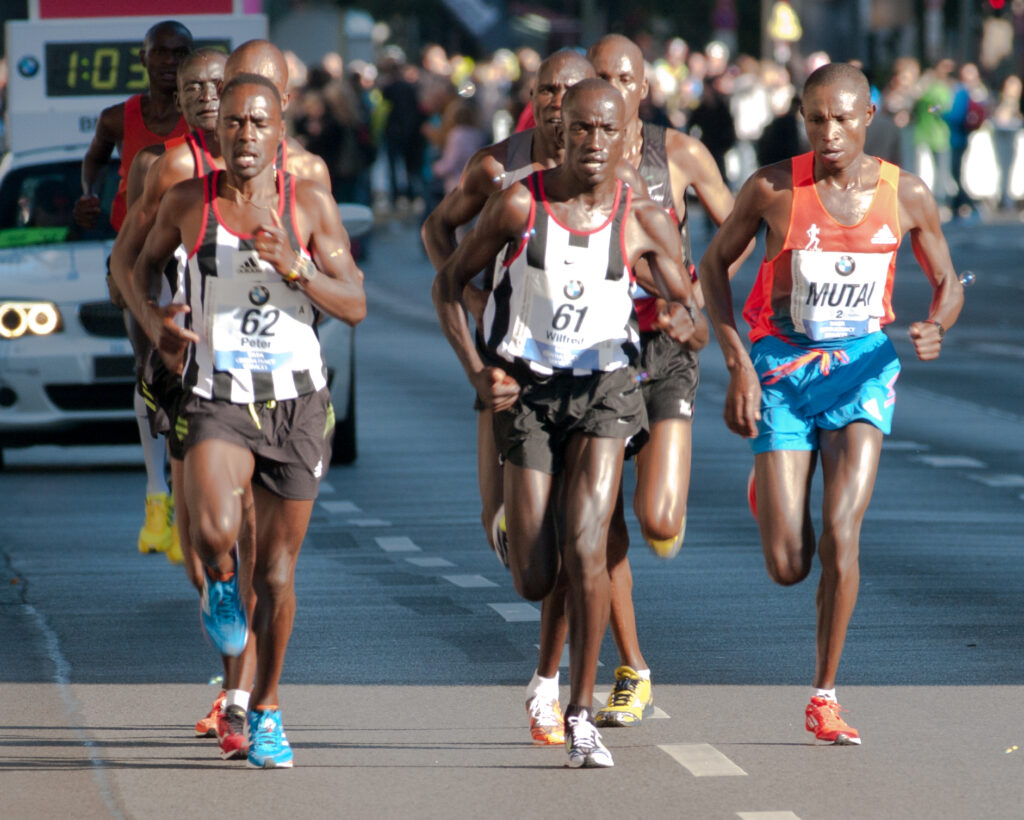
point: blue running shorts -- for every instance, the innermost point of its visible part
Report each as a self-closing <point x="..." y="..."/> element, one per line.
<point x="807" y="389"/>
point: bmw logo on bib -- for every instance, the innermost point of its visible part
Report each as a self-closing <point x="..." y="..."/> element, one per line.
<point x="845" y="265"/>
<point x="573" y="289"/>
<point x="259" y="295"/>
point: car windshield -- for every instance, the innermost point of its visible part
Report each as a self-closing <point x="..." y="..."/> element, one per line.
<point x="37" y="203"/>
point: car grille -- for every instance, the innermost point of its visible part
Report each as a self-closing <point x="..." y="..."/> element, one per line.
<point x="102" y="319"/>
<point x="85" y="397"/>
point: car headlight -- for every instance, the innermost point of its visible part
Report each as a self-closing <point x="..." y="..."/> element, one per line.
<point x="37" y="318"/>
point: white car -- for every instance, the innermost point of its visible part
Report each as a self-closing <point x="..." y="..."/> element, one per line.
<point x="67" y="370"/>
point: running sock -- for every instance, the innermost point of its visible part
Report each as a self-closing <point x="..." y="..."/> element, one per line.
<point x="214" y="575"/>
<point x="154" y="451"/>
<point x="645" y="674"/>
<point x="544" y="687"/>
<point x="828" y="694"/>
<point x="237" y="697"/>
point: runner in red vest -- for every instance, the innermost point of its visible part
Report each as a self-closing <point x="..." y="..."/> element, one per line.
<point x="138" y="122"/>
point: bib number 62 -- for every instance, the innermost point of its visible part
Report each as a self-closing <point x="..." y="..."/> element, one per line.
<point x="256" y="322"/>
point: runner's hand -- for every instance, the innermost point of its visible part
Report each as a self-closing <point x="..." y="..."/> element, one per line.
<point x="926" y="339"/>
<point x="86" y="210"/>
<point x="676" y="320"/>
<point x="496" y="388"/>
<point x="273" y="246"/>
<point x="743" y="402"/>
<point x="168" y="337"/>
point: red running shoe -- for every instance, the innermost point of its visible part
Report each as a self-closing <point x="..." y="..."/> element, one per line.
<point x="824" y="721"/>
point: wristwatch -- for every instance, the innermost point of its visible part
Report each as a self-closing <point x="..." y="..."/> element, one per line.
<point x="938" y="324"/>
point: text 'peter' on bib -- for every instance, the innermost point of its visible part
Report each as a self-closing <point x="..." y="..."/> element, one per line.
<point x="254" y="320"/>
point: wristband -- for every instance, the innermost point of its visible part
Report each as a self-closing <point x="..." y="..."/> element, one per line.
<point x="938" y="324"/>
<point x="304" y="269"/>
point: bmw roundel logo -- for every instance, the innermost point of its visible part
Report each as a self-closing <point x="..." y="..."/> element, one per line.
<point x="845" y="265"/>
<point x="259" y="295"/>
<point x="573" y="289"/>
<point x="28" y="66"/>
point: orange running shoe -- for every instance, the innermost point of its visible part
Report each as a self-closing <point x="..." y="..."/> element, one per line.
<point x="823" y="719"/>
<point x="547" y="724"/>
<point x="207" y="726"/>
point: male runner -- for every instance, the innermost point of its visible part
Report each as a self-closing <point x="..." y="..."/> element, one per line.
<point x="562" y="383"/>
<point x="140" y="121"/>
<point x="670" y="162"/>
<point x="489" y="170"/>
<point x="193" y="155"/>
<point x="819" y="378"/>
<point x="267" y="254"/>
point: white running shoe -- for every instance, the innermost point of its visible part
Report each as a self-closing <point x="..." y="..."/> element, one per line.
<point x="583" y="743"/>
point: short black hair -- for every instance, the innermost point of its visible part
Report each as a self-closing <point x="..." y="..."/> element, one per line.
<point x="251" y="79"/>
<point x="839" y="72"/>
<point x="171" y="25"/>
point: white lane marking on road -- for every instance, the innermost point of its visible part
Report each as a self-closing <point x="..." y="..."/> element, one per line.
<point x="469" y="581"/>
<point x="62" y="677"/>
<point x="430" y="561"/>
<point x="369" y="522"/>
<point x="949" y="461"/>
<point x="766" y="815"/>
<point x="999" y="479"/>
<point x="564" y="660"/>
<point x="702" y="760"/>
<point x="658" y="713"/>
<point x="398" y="543"/>
<point x="340" y="507"/>
<point x="326" y="487"/>
<point x="517" y="613"/>
<point x="890" y="444"/>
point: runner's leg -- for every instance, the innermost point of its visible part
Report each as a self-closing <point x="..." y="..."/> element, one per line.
<point x="783" y="484"/>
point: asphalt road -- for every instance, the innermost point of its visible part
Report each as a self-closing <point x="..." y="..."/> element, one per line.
<point x="403" y="688"/>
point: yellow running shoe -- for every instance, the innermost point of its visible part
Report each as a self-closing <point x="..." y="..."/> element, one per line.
<point x="629" y="702"/>
<point x="174" y="553"/>
<point x="207" y="726"/>
<point x="547" y="724"/>
<point x="155" y="535"/>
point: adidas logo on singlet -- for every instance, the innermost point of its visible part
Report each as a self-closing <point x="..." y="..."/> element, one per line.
<point x="884" y="236"/>
<point x="251" y="264"/>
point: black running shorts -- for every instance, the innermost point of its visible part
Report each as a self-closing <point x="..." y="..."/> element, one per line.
<point x="290" y="439"/>
<point x="163" y="393"/>
<point x="533" y="434"/>
<point x="669" y="374"/>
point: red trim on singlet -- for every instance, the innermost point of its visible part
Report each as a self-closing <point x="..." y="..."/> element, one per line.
<point x="295" y="216"/>
<point x="220" y="219"/>
<point x="557" y="221"/>
<point x="206" y="215"/>
<point x="135" y="137"/>
<point x="529" y="223"/>
<point x="622" y="234"/>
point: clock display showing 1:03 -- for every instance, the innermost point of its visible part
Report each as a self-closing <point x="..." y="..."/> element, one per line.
<point x="100" y="67"/>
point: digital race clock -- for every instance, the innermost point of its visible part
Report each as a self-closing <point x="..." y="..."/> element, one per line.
<point x="94" y="67"/>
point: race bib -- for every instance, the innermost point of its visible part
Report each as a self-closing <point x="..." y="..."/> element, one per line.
<point x="257" y="325"/>
<point x="565" y="321"/>
<point x="838" y="295"/>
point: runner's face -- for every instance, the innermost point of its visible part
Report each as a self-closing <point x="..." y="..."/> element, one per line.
<point x="166" y="50"/>
<point x="836" y="117"/>
<point x="553" y="81"/>
<point x="593" y="137"/>
<point x="199" y="93"/>
<point x="625" y="73"/>
<point x="249" y="130"/>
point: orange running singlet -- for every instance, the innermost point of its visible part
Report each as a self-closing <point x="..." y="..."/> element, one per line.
<point x="830" y="281"/>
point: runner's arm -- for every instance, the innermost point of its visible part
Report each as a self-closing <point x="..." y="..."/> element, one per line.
<point x="504" y="217"/>
<point x="919" y="214"/>
<point x="743" y="400"/>
<point x="332" y="279"/>
<point x="481" y="178"/>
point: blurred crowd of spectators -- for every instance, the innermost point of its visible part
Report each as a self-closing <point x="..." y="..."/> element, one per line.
<point x="396" y="133"/>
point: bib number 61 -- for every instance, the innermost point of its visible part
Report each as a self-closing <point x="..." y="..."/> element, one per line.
<point x="564" y="315"/>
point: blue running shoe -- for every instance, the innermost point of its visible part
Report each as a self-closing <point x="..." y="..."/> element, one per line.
<point x="222" y="614"/>
<point x="268" y="744"/>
